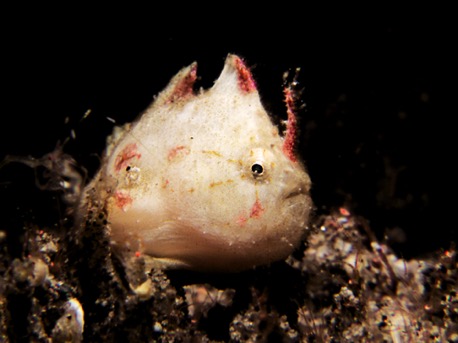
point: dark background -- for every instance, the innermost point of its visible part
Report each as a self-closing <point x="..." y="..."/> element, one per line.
<point x="377" y="134"/>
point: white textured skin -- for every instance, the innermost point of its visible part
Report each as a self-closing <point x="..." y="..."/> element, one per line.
<point x="193" y="201"/>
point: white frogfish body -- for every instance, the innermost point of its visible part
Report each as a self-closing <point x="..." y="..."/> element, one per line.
<point x="205" y="181"/>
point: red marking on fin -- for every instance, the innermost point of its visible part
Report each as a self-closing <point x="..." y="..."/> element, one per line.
<point x="257" y="210"/>
<point x="291" y="125"/>
<point x="122" y="199"/>
<point x="246" y="81"/>
<point x="128" y="153"/>
<point x="184" y="87"/>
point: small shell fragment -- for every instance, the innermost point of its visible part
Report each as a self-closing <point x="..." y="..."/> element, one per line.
<point x="70" y="326"/>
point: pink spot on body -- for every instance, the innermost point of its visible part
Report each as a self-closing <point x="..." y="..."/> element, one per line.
<point x="180" y="150"/>
<point x="124" y="157"/>
<point x="122" y="199"/>
<point x="241" y="220"/>
<point x="257" y="210"/>
<point x="246" y="81"/>
<point x="291" y="126"/>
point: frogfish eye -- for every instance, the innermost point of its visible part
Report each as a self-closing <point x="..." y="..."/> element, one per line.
<point x="257" y="169"/>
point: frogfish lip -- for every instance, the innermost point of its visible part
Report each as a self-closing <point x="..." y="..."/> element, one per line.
<point x="300" y="189"/>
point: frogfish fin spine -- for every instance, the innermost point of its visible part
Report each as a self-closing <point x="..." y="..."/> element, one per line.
<point x="290" y="134"/>
<point x="236" y="77"/>
<point x="180" y="87"/>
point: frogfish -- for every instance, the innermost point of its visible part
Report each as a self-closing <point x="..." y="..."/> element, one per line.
<point x="204" y="180"/>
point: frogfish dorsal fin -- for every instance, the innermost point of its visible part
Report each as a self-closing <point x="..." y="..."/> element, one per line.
<point x="180" y="87"/>
<point x="236" y="77"/>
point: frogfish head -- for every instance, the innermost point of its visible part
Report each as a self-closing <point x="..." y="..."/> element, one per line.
<point x="204" y="180"/>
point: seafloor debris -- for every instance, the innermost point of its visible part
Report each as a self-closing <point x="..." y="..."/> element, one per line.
<point x="343" y="286"/>
<point x="377" y="296"/>
<point x="55" y="171"/>
<point x="202" y="298"/>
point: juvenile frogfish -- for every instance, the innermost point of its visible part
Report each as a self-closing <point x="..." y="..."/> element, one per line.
<point x="204" y="181"/>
